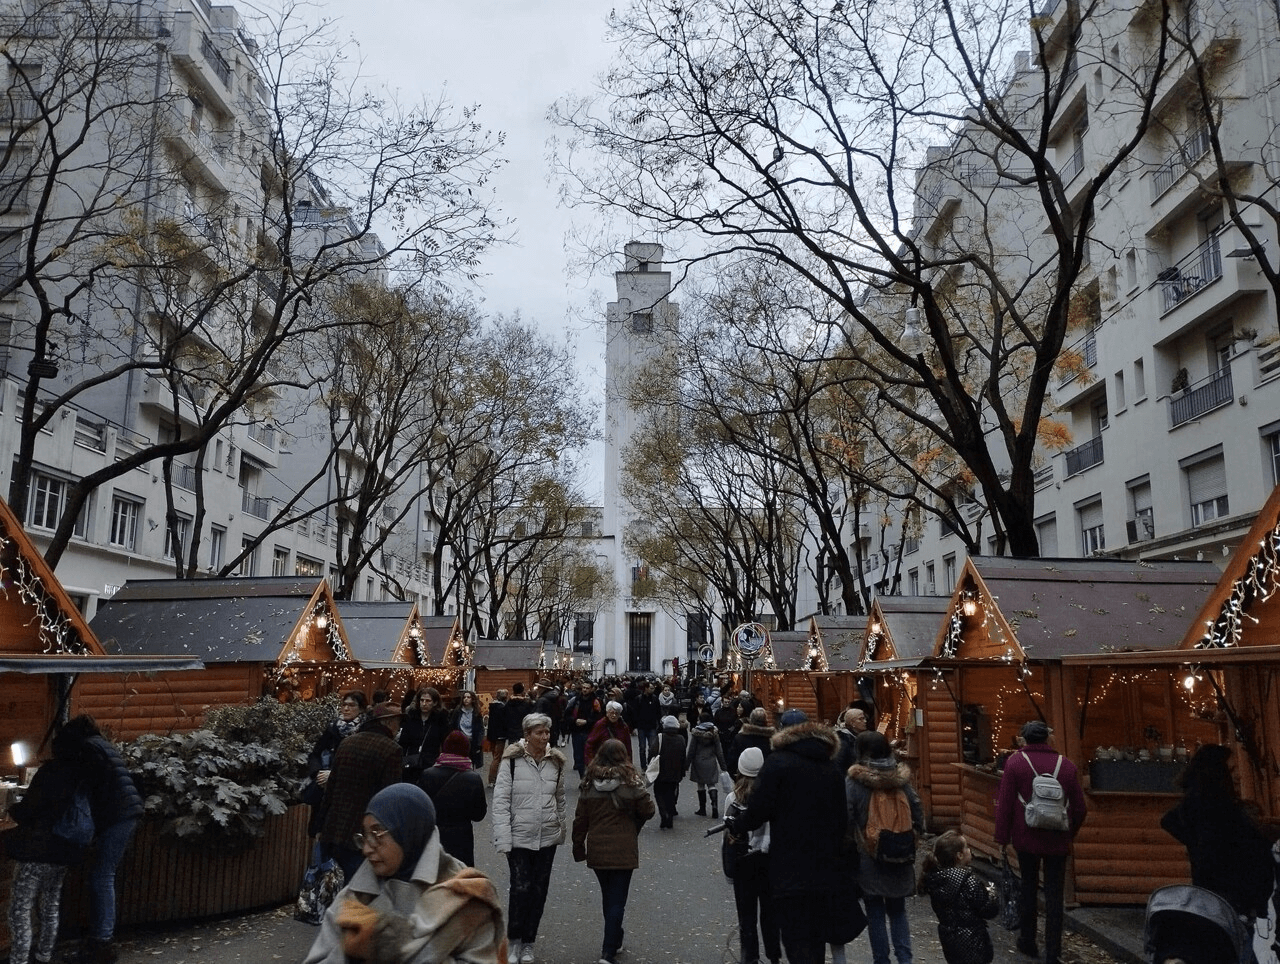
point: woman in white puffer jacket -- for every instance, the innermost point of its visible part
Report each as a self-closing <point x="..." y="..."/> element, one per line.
<point x="529" y="822"/>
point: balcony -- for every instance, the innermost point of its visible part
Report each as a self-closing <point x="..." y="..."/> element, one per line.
<point x="1043" y="477"/>
<point x="1074" y="165"/>
<point x="1084" y="456"/>
<point x="255" y="506"/>
<point x="263" y="433"/>
<point x="217" y="63"/>
<point x="1200" y="268"/>
<point x="1204" y="396"/>
<point x="1179" y="162"/>
<point x="184" y="476"/>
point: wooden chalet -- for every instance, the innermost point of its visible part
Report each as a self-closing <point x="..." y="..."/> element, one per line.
<point x="395" y="644"/>
<point x="1048" y="639"/>
<point x="280" y="636"/>
<point x="45" y="647"/>
<point x="788" y="674"/>
<point x="501" y="663"/>
<point x="899" y="636"/>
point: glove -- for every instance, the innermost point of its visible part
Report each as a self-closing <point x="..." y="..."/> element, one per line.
<point x="357" y="923"/>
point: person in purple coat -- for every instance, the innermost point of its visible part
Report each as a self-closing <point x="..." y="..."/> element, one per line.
<point x="1034" y="846"/>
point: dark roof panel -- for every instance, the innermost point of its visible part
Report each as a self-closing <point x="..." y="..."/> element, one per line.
<point x="216" y="630"/>
<point x="507" y="653"/>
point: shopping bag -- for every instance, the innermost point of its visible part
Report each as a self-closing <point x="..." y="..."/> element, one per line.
<point x="652" y="770"/>
<point x="1010" y="897"/>
<point x="320" y="884"/>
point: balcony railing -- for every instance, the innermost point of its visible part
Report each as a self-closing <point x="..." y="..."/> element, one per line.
<point x="1184" y="279"/>
<point x="1204" y="396"/>
<point x="257" y="507"/>
<point x="1085" y="456"/>
<point x="215" y="60"/>
<point x="184" y="476"/>
<point x="1074" y="165"/>
<point x="909" y="545"/>
<point x="263" y="434"/>
<point x="1179" y="162"/>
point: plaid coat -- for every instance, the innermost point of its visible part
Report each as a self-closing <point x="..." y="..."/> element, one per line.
<point x="365" y="763"/>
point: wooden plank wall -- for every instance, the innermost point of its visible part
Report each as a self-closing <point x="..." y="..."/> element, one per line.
<point x="801" y="695"/>
<point x="490" y="680"/>
<point x="26" y="708"/>
<point x="127" y="705"/>
<point x="939" y="780"/>
<point x="1122" y="855"/>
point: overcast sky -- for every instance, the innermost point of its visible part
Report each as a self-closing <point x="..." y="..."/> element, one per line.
<point x="512" y="58"/>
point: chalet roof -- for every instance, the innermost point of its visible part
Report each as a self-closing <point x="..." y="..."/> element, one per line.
<point x="216" y="620"/>
<point x="376" y="628"/>
<point x="911" y="624"/>
<point x="790" y="650"/>
<point x="1054" y="608"/>
<point x="507" y="653"/>
<point x="841" y="638"/>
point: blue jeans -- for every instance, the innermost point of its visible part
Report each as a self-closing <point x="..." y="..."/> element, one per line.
<point x="644" y="736"/>
<point x="111" y="845"/>
<point x="614" y="887"/>
<point x="899" y="930"/>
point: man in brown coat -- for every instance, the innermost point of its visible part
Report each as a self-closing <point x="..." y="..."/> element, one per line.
<point x="366" y="761"/>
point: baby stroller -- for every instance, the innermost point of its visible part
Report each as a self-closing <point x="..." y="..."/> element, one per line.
<point x="1194" y="925"/>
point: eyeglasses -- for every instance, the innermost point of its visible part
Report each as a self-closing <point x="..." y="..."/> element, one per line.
<point x="350" y="703"/>
<point x="373" y="838"/>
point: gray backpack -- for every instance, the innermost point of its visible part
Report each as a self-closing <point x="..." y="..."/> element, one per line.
<point x="1047" y="808"/>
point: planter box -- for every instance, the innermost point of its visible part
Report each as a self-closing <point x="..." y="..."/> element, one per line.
<point x="161" y="880"/>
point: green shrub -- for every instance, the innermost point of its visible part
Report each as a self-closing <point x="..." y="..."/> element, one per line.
<point x="218" y="785"/>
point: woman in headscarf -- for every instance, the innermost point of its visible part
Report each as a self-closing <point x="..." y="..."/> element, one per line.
<point x="458" y="794"/>
<point x="612" y="807"/>
<point x="410" y="902"/>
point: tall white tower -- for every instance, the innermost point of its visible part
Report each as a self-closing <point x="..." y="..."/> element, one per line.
<point x="635" y="635"/>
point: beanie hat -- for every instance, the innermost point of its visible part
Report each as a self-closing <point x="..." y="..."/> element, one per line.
<point x="793" y="718"/>
<point x="750" y="762"/>
<point x="384" y="711"/>
<point x="1037" y="731"/>
<point x="457" y="744"/>
<point x="670" y="723"/>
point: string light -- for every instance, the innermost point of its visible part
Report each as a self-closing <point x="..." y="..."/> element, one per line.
<point x="54" y="628"/>
<point x="1258" y="584"/>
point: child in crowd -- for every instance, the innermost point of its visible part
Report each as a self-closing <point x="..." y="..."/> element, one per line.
<point x="751" y="881"/>
<point x="963" y="901"/>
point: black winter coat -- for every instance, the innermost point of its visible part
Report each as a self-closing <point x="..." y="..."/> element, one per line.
<point x="517" y="709"/>
<point x="460" y="801"/>
<point x="749" y="735"/>
<point x="497" y="730"/>
<point x="421" y="740"/>
<point x="800" y="793"/>
<point x="51" y="792"/>
<point x="963" y="902"/>
<point x="669" y="747"/>
<point x="114" y="796"/>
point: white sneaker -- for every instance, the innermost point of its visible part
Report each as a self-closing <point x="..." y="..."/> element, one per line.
<point x="526" y="954"/>
<point x="513" y="952"/>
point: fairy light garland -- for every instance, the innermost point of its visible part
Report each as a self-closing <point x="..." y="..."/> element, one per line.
<point x="55" y="631"/>
<point x="1258" y="584"/>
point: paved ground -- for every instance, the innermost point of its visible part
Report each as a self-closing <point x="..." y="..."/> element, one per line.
<point x="680" y="912"/>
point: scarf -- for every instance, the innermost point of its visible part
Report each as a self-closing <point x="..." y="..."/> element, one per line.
<point x="347" y="727"/>
<point x="453" y="760"/>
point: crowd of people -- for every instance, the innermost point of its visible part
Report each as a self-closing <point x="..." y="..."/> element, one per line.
<point x="823" y="828"/>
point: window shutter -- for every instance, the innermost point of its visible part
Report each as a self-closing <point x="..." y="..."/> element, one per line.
<point x="1091" y="515"/>
<point x="1207" y="480"/>
<point x="1047" y="533"/>
<point x="1141" y="498"/>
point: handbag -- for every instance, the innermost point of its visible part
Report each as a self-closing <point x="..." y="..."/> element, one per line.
<point x="652" y="770"/>
<point x="732" y="852"/>
<point x="1010" y="897"/>
<point x="76" y="823"/>
<point x="320" y="884"/>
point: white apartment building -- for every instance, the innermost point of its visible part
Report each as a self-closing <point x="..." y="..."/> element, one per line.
<point x="1174" y="411"/>
<point x="197" y="170"/>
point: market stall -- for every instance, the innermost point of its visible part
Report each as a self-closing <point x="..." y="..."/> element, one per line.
<point x="1039" y="639"/>
<point x="279" y="636"/>
<point x="501" y="663"/>
<point x="395" y="644"/>
<point x="787" y="674"/>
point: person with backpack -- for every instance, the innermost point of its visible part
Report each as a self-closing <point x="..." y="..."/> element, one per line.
<point x="45" y="843"/>
<point x="751" y="895"/>
<point x="885" y="817"/>
<point x="1039" y="809"/>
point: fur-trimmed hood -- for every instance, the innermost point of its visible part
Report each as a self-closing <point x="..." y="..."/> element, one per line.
<point x="705" y="732"/>
<point x="750" y="729"/>
<point x="885" y="774"/>
<point x="811" y="739"/>
<point x="519" y="750"/>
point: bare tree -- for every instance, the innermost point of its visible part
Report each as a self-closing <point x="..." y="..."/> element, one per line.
<point x="887" y="157"/>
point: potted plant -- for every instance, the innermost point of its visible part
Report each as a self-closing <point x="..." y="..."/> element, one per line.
<point x="1181" y="379"/>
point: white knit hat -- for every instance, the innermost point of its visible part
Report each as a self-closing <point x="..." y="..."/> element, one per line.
<point x="750" y="762"/>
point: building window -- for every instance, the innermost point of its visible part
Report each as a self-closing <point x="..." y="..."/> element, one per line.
<point x="1092" y="536"/>
<point x="639" y="640"/>
<point x="183" y="526"/>
<point x="15" y="175"/>
<point x="10" y="261"/>
<point x="280" y="561"/>
<point x="584" y="632"/>
<point x="913" y="582"/>
<point x="1139" y="380"/>
<point x="1047" y="536"/>
<point x="217" y="546"/>
<point x="1119" y="386"/>
<point x="642" y="322"/>
<point x="949" y="573"/>
<point x="1142" y="520"/>
<point x="695" y="632"/>
<point x="1207" y="489"/>
<point x="249" y="562"/>
<point x="124" y="522"/>
<point x="930" y="583"/>
<point x="1273" y="453"/>
<point x="302" y="566"/>
<point x="1098" y="417"/>
<point x="47" y="502"/>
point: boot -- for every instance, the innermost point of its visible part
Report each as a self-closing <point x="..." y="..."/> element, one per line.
<point x="702" y="802"/>
<point x="715" y="803"/>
